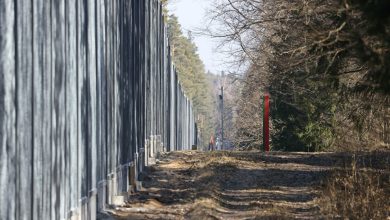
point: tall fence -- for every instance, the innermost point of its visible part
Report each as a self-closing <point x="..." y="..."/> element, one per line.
<point x="88" y="97"/>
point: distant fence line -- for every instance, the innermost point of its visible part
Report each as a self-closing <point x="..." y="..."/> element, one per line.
<point x="88" y="97"/>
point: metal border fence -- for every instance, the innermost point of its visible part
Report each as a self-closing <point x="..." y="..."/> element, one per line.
<point x="88" y="97"/>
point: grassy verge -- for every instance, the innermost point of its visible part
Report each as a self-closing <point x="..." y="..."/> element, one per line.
<point x="358" y="191"/>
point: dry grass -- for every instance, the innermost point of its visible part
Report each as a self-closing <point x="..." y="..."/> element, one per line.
<point x="357" y="193"/>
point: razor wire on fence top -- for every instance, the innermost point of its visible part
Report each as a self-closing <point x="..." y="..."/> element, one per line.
<point x="88" y="97"/>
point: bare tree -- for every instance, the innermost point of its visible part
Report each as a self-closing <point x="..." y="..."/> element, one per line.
<point x="317" y="58"/>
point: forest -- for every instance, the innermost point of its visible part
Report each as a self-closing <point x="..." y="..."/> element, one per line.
<point x="325" y="64"/>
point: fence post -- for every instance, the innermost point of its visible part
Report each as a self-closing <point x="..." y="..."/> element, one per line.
<point x="266" y="111"/>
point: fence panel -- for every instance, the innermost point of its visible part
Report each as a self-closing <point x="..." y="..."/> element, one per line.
<point x="88" y="97"/>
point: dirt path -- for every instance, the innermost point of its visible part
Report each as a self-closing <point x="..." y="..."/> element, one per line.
<point x="231" y="185"/>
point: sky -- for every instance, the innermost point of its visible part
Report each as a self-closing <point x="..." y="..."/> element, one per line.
<point x="192" y="15"/>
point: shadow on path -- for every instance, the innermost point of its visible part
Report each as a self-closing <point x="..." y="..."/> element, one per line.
<point x="236" y="185"/>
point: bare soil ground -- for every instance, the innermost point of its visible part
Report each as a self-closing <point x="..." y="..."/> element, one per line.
<point x="232" y="185"/>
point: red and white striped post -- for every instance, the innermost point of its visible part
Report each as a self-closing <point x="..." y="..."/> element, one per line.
<point x="266" y="111"/>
